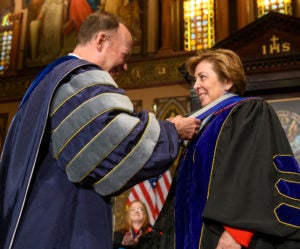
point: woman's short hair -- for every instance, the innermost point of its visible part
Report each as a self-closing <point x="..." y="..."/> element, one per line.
<point x="227" y="65"/>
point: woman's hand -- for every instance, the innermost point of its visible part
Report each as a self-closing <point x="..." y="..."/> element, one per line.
<point x="226" y="241"/>
<point x="128" y="240"/>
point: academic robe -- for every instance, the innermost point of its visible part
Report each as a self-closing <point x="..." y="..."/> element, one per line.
<point x="75" y="142"/>
<point x="239" y="172"/>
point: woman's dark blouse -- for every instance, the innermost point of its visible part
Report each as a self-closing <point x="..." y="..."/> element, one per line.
<point x="150" y="240"/>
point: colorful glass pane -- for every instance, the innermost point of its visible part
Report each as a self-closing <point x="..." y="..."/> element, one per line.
<point x="5" y="43"/>
<point x="199" y="26"/>
<point x="281" y="6"/>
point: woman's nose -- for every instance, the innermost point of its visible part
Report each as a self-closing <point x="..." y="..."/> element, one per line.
<point x="196" y="84"/>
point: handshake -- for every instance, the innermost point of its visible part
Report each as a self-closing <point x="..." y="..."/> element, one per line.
<point x="187" y="127"/>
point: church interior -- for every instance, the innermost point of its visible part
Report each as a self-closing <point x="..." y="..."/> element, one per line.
<point x="264" y="33"/>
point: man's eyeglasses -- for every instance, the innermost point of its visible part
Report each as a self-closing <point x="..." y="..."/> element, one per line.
<point x="139" y="210"/>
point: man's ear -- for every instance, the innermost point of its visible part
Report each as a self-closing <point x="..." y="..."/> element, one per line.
<point x="101" y="37"/>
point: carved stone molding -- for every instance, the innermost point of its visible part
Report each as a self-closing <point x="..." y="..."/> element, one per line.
<point x="142" y="72"/>
<point x="13" y="89"/>
<point x="270" y="51"/>
<point x="155" y="71"/>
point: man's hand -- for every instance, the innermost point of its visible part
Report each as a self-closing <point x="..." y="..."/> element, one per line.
<point x="187" y="128"/>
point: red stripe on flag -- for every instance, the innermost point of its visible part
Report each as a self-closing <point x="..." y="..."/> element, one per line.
<point x="153" y="197"/>
<point x="146" y="193"/>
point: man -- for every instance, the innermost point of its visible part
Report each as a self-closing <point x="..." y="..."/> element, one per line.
<point x="75" y="142"/>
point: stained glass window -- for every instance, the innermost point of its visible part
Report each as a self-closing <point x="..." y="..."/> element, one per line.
<point x="199" y="26"/>
<point x="6" y="34"/>
<point x="281" y="6"/>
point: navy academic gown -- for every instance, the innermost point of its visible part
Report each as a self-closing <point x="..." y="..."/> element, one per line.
<point x="40" y="208"/>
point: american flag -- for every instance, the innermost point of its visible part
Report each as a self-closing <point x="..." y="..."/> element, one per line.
<point x="153" y="193"/>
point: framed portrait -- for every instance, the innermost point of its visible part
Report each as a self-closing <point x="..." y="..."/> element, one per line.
<point x="288" y="111"/>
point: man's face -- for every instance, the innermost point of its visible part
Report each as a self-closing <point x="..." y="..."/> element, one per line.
<point x="117" y="49"/>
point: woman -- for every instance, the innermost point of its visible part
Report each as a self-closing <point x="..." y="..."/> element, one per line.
<point x="138" y="233"/>
<point x="238" y="183"/>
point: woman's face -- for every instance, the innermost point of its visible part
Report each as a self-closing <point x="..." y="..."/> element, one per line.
<point x="207" y="86"/>
<point x="137" y="212"/>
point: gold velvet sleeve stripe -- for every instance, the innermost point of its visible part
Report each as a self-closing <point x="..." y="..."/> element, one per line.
<point x="77" y="84"/>
<point x="134" y="161"/>
<point x="100" y="146"/>
<point x="84" y="114"/>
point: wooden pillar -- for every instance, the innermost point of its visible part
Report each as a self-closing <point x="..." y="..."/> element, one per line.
<point x="245" y="13"/>
<point x="222" y="20"/>
<point x="166" y="26"/>
<point x="16" y="19"/>
<point x="297" y="8"/>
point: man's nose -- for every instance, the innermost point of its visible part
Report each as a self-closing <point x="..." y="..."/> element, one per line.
<point x="125" y="67"/>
